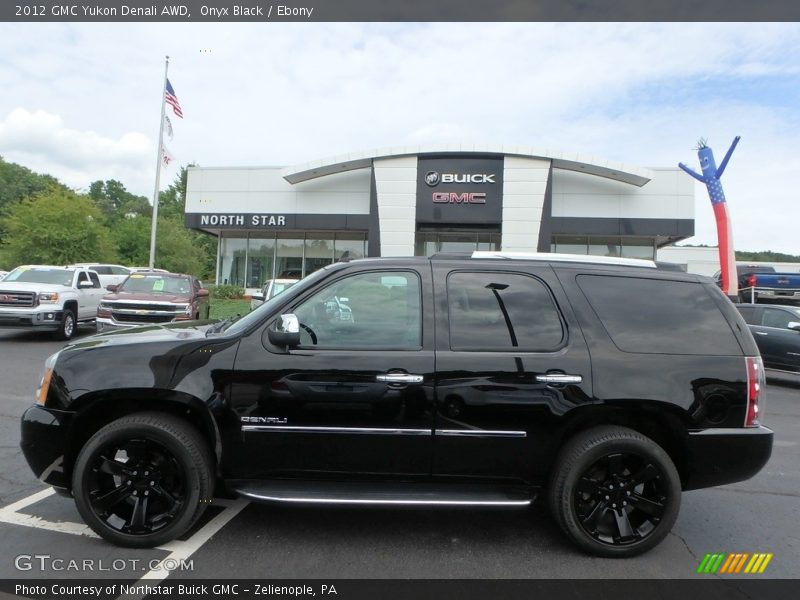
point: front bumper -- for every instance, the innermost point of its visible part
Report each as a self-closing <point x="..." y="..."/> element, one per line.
<point x="44" y="442"/>
<point x="37" y="319"/>
<point x="721" y="456"/>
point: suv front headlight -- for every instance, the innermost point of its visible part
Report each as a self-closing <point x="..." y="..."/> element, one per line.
<point x="44" y="383"/>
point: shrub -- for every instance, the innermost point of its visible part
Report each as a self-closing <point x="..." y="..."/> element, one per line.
<point x="226" y="292"/>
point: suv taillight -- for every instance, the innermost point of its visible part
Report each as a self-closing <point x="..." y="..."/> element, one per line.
<point x="756" y="388"/>
<point x="751" y="280"/>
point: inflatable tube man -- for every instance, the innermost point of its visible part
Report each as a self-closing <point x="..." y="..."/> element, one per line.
<point x="711" y="177"/>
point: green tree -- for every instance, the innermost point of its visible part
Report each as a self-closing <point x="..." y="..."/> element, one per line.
<point x="115" y="201"/>
<point x="18" y="182"/>
<point x="55" y="227"/>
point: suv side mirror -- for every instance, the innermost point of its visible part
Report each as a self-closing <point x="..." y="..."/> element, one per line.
<point x="259" y="297"/>
<point x="85" y="284"/>
<point x="112" y="287"/>
<point x="202" y="292"/>
<point x="794" y="326"/>
<point x="286" y="331"/>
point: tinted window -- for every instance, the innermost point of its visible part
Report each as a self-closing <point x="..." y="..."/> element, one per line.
<point x="101" y="269"/>
<point x="119" y="270"/>
<point x="776" y="317"/>
<point x="501" y="311"/>
<point x="659" y="316"/>
<point x="368" y="310"/>
<point x="95" y="279"/>
<point x="748" y="313"/>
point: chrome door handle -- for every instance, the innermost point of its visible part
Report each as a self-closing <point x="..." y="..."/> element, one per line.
<point x="399" y="378"/>
<point x="559" y="378"/>
<point x="760" y="333"/>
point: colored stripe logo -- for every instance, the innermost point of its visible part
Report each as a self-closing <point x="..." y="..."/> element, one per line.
<point x="735" y="563"/>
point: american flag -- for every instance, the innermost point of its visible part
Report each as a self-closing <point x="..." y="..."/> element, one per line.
<point x="172" y="100"/>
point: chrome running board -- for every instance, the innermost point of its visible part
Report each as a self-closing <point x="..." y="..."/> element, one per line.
<point x="378" y="493"/>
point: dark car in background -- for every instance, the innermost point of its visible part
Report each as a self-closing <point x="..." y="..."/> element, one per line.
<point x="150" y="298"/>
<point x="776" y="329"/>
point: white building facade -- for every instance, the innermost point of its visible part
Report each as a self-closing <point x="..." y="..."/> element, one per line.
<point x="419" y="200"/>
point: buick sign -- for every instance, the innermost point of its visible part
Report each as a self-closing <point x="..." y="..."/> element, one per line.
<point x="432" y="178"/>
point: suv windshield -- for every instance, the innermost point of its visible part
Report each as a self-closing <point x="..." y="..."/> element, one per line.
<point x="156" y="284"/>
<point x="41" y="275"/>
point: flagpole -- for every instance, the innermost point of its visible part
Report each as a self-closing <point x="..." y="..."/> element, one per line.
<point x="158" y="167"/>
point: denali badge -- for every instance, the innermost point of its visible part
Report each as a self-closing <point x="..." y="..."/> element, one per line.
<point x="432" y="178"/>
<point x="271" y="420"/>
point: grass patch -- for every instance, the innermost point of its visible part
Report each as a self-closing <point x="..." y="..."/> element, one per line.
<point x="222" y="309"/>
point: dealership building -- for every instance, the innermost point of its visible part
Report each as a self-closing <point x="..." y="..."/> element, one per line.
<point x="418" y="200"/>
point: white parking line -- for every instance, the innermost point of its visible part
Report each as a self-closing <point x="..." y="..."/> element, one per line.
<point x="178" y="550"/>
<point x="27" y="501"/>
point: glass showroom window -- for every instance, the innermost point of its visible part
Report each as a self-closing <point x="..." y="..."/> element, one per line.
<point x="260" y="259"/>
<point x="604" y="246"/>
<point x="572" y="244"/>
<point x="318" y="251"/>
<point x="349" y="245"/>
<point x="639" y="248"/>
<point x="232" y="258"/>
<point x="289" y="256"/>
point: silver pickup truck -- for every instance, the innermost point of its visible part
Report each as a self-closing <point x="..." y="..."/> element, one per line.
<point x="49" y="298"/>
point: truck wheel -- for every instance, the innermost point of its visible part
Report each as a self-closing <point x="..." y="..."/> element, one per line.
<point x="143" y="480"/>
<point x="68" y="323"/>
<point x="614" y="492"/>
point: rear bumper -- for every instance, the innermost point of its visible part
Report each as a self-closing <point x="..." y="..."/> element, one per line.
<point x="721" y="456"/>
<point x="46" y="320"/>
<point x="44" y="441"/>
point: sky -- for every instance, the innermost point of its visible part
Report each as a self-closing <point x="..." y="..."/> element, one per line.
<point x="82" y="101"/>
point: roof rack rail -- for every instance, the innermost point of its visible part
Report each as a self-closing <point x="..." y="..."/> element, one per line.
<point x="555" y="257"/>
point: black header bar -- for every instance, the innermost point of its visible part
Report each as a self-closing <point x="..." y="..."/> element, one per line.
<point x="398" y="11"/>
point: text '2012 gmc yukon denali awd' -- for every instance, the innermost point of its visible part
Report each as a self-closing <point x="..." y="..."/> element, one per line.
<point x="607" y="386"/>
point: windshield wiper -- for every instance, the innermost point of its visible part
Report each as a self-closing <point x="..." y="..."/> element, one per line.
<point x="222" y="325"/>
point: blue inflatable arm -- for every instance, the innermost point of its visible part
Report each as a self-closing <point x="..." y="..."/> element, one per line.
<point x="725" y="160"/>
<point x="699" y="178"/>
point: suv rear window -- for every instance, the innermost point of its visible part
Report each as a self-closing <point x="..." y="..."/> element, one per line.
<point x="659" y="316"/>
<point x="502" y="312"/>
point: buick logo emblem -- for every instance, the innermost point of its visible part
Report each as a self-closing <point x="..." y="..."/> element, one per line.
<point x="432" y="178"/>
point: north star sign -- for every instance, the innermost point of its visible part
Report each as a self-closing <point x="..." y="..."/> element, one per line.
<point x="214" y="219"/>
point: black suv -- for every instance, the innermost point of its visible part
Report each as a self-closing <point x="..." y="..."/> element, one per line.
<point x="605" y="385"/>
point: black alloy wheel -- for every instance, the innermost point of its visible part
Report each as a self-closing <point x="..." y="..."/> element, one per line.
<point x="621" y="499"/>
<point x="614" y="491"/>
<point x="143" y="480"/>
<point x="136" y="486"/>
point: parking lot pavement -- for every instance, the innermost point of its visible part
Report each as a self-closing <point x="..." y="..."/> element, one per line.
<point x="759" y="515"/>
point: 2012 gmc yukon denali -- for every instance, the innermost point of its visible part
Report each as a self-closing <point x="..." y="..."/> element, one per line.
<point x="607" y="386"/>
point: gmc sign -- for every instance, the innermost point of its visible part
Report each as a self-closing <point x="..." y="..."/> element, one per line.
<point x="456" y="198"/>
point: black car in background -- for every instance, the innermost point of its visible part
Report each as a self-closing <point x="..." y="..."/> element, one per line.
<point x="606" y="386"/>
<point x="776" y="329"/>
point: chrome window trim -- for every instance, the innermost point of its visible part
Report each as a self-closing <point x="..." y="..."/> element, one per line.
<point x="351" y="430"/>
<point x="480" y="433"/>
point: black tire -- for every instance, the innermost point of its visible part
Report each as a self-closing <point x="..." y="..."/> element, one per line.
<point x="69" y="322"/>
<point x="614" y="492"/>
<point x="114" y="496"/>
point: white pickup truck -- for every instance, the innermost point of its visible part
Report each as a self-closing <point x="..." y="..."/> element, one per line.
<point x="50" y="298"/>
